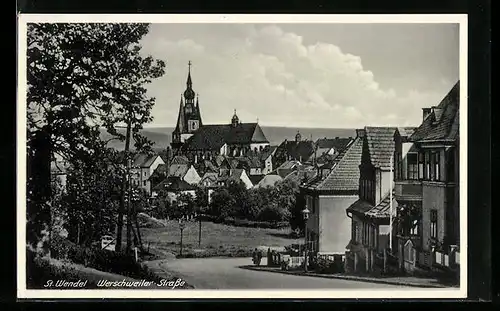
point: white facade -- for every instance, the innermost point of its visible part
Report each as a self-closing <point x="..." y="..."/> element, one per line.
<point x="246" y="180"/>
<point x="140" y="175"/>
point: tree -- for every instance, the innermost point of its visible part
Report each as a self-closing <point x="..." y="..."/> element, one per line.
<point x="185" y="204"/>
<point x="81" y="77"/>
<point x="201" y="199"/>
<point x="222" y="203"/>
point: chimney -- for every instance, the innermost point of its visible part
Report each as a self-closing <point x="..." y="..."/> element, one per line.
<point x="360" y="133"/>
<point x="425" y="112"/>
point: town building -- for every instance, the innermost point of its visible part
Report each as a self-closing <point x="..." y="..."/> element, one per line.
<point x="328" y="148"/>
<point x="370" y="214"/>
<point x="427" y="189"/>
<point x="197" y="141"/>
<point x="295" y="150"/>
<point x="173" y="187"/>
<point x="234" y="175"/>
<point x="189" y="118"/>
<point x="143" y="166"/>
<point x="327" y="196"/>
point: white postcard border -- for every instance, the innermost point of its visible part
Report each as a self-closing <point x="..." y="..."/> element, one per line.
<point x="23" y="19"/>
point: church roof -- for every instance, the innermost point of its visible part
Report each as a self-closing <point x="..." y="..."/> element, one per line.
<point x="443" y="121"/>
<point x="214" y="136"/>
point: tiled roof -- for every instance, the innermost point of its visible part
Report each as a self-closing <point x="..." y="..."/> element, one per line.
<point x="174" y="183"/>
<point x="269" y="181"/>
<point x="301" y="150"/>
<point x="161" y="169"/>
<point x="144" y="160"/>
<point x="337" y="143"/>
<point x="443" y="121"/>
<point x="360" y="207"/>
<point x="255" y="179"/>
<point x="383" y="209"/>
<point x="267" y="152"/>
<point x="289" y="165"/>
<point x="211" y="177"/>
<point x="406" y="131"/>
<point x="214" y="136"/>
<point x="178" y="170"/>
<point x="180" y="160"/>
<point x="345" y="175"/>
<point x="380" y="145"/>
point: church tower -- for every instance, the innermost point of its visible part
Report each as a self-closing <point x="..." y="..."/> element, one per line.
<point x="189" y="119"/>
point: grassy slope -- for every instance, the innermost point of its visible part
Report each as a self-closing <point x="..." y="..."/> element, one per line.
<point x="216" y="239"/>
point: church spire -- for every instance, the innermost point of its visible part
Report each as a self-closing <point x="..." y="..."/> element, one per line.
<point x="189" y="83"/>
<point x="189" y="93"/>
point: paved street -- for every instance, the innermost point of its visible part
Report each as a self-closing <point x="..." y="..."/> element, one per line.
<point x="225" y="273"/>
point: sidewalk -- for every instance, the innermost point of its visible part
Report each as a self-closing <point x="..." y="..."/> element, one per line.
<point x="402" y="280"/>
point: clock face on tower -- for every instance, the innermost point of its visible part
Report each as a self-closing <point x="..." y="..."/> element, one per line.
<point x="193" y="125"/>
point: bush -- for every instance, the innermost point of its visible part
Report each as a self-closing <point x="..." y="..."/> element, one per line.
<point x="39" y="271"/>
<point x="255" y="224"/>
<point x="322" y="265"/>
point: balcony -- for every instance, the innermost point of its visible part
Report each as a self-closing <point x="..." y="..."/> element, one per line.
<point x="408" y="190"/>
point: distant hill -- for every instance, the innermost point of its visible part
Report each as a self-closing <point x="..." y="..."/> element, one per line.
<point x="161" y="136"/>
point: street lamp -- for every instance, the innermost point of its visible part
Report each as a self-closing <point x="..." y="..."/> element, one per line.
<point x="182" y="225"/>
<point x="305" y="215"/>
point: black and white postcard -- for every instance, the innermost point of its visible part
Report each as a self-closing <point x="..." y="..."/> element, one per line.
<point x="242" y="156"/>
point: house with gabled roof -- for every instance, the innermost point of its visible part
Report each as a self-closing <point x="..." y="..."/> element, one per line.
<point x="234" y="175"/>
<point x="294" y="150"/>
<point x="186" y="172"/>
<point x="370" y="214"/>
<point x="331" y="146"/>
<point x="327" y="196"/>
<point x="143" y="166"/>
<point x="427" y="189"/>
<point x="173" y="186"/>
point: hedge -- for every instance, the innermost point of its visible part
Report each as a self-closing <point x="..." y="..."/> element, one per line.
<point x="247" y="223"/>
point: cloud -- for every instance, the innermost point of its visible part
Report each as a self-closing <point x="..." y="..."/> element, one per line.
<point x="269" y="74"/>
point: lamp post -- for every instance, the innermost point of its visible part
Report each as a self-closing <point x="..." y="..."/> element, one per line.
<point x="182" y="225"/>
<point x="305" y="215"/>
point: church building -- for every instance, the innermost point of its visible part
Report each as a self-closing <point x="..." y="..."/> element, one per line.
<point x="197" y="141"/>
<point x="189" y="119"/>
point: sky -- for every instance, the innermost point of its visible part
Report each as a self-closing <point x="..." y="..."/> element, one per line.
<point x="305" y="75"/>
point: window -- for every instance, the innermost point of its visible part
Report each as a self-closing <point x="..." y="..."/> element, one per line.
<point x="145" y="174"/>
<point x="434" y="224"/>
<point x="412" y="159"/>
<point x="144" y="183"/>
<point x="437" y="165"/>
<point x="414" y="228"/>
<point x="450" y="164"/>
<point x="427" y="166"/>
<point x="420" y="166"/>
<point x="399" y="166"/>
